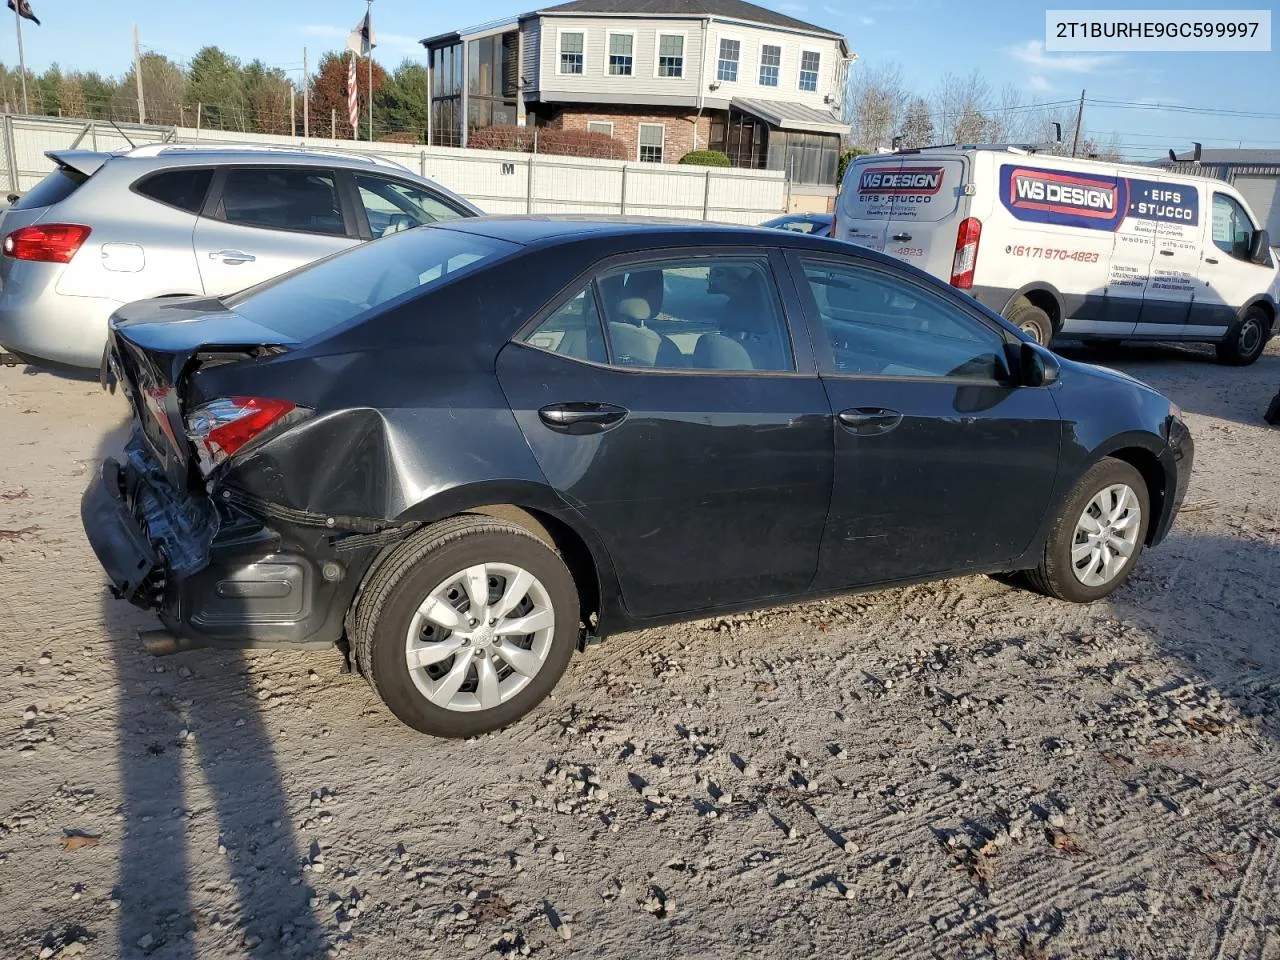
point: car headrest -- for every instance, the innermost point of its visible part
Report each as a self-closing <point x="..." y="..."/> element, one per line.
<point x="717" y="352"/>
<point x="645" y="285"/>
<point x="633" y="346"/>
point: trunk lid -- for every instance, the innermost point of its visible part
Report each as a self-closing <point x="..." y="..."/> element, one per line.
<point x="155" y="346"/>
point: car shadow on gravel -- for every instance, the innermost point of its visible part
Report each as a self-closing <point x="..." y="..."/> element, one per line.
<point x="1212" y="606"/>
<point x="193" y="744"/>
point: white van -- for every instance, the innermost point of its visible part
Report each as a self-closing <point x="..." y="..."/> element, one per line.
<point x="1078" y="247"/>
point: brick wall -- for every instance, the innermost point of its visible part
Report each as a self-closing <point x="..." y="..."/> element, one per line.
<point x="678" y="123"/>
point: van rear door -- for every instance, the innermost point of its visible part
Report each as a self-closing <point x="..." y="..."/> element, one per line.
<point x="923" y="220"/>
<point x="865" y="205"/>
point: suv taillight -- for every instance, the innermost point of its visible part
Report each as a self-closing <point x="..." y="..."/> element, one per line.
<point x="966" y="258"/>
<point x="46" y="242"/>
<point x="221" y="428"/>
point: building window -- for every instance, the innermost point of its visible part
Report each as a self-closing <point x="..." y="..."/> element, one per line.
<point x="571" y="45"/>
<point x="727" y="70"/>
<point x="770" y="61"/>
<point x="600" y="126"/>
<point x="809" y="62"/>
<point x="620" y="49"/>
<point x="670" y="55"/>
<point x="651" y="137"/>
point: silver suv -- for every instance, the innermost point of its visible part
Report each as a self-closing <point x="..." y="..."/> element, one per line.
<point x="105" y="229"/>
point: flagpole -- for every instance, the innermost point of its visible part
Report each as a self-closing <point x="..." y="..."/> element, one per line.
<point x="22" y="60"/>
<point x="368" y="22"/>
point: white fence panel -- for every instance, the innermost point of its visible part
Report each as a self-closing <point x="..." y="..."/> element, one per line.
<point x="496" y="181"/>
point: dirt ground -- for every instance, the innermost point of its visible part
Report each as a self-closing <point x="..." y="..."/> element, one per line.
<point x="962" y="769"/>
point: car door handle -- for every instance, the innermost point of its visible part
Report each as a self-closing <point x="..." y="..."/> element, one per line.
<point x="232" y="256"/>
<point x="1213" y="260"/>
<point x="582" y="418"/>
<point x="902" y="237"/>
<point x="868" y="421"/>
<point x="1166" y="253"/>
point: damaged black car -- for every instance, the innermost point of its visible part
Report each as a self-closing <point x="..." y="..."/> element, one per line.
<point x="462" y="451"/>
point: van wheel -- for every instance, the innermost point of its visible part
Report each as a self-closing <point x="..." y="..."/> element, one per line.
<point x="1031" y="320"/>
<point x="1246" y="339"/>
<point x="467" y="626"/>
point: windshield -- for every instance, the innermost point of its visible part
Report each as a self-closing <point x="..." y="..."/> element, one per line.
<point x="319" y="297"/>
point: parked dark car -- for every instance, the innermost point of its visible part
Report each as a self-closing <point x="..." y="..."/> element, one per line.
<point x="467" y="448"/>
<point x="817" y="224"/>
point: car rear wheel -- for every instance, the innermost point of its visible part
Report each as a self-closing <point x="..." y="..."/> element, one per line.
<point x="1032" y="321"/>
<point x="467" y="626"/>
<point x="1246" y="339"/>
<point x="1097" y="535"/>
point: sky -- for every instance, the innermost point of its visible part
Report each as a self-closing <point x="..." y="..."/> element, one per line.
<point x="1220" y="99"/>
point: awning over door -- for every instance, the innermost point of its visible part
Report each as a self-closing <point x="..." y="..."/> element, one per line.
<point x="791" y="116"/>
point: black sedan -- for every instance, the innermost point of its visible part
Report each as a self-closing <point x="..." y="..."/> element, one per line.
<point x="461" y="451"/>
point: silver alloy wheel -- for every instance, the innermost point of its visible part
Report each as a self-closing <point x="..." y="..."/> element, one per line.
<point x="1106" y="535"/>
<point x="1250" y="334"/>
<point x="480" y="637"/>
<point x="1032" y="329"/>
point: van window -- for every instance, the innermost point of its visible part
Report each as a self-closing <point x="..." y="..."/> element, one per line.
<point x="54" y="188"/>
<point x="1232" y="228"/>
<point x="909" y="190"/>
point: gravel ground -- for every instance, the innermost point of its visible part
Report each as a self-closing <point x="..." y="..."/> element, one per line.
<point x="962" y="769"/>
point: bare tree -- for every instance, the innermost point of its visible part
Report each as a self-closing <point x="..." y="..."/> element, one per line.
<point x="875" y="105"/>
<point x="917" y="125"/>
<point x="1007" y="117"/>
<point x="960" y="103"/>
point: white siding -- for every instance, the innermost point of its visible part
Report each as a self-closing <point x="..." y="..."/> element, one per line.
<point x="788" y="88"/>
<point x="645" y="85"/>
<point x="644" y="81"/>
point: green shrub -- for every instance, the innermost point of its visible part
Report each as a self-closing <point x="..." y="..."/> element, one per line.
<point x="847" y="158"/>
<point x="705" y="158"/>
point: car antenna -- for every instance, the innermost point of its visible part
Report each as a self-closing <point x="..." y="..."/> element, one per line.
<point x="123" y="134"/>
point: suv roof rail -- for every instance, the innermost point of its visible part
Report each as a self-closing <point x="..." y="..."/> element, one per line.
<point x="167" y="149"/>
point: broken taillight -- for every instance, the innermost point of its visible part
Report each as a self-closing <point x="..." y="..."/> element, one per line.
<point x="221" y="428"/>
<point x="46" y="242"/>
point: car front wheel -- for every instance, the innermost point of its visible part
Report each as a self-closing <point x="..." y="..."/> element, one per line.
<point x="1097" y="535"/>
<point x="467" y="626"/>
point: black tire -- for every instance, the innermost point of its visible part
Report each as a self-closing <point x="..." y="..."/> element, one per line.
<point x="1030" y="319"/>
<point x="1246" y="339"/>
<point x="1054" y="575"/>
<point x="398" y="586"/>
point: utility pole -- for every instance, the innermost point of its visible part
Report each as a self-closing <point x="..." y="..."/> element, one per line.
<point x="369" y="23"/>
<point x="22" y="60"/>
<point x="306" y="98"/>
<point x="1075" y="141"/>
<point x="293" y="114"/>
<point x="137" y="74"/>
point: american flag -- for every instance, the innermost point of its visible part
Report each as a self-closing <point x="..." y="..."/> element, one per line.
<point x="353" y="102"/>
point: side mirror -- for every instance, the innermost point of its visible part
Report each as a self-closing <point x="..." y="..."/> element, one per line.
<point x="1260" y="248"/>
<point x="1039" y="366"/>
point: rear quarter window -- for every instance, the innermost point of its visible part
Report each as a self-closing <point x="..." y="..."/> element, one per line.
<point x="183" y="189"/>
<point x="318" y="298"/>
<point x="54" y="188"/>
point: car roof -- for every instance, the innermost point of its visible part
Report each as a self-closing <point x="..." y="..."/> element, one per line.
<point x="552" y="229"/>
<point x="241" y="153"/>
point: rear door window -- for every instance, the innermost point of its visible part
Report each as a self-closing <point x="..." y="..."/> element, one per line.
<point x="393" y="205"/>
<point x="184" y="189"/>
<point x="54" y="188"/>
<point x="707" y="313"/>
<point x="299" y="199"/>
<point x="926" y="190"/>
